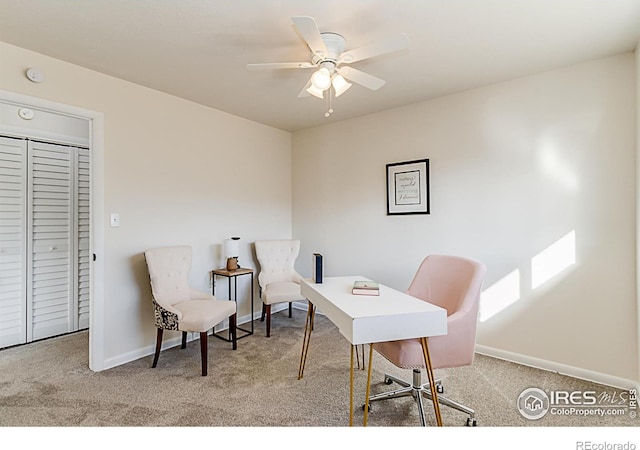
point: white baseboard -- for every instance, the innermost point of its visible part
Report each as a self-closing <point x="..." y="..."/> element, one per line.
<point x="563" y="369"/>
<point x="301" y="305"/>
<point x="169" y="343"/>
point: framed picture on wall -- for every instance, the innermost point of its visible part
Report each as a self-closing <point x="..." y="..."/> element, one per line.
<point x="408" y="187"/>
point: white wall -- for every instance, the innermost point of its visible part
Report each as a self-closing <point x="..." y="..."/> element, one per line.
<point x="177" y="173"/>
<point x="514" y="167"/>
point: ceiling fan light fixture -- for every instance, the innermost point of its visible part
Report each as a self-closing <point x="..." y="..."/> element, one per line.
<point x="315" y="91"/>
<point x="340" y="85"/>
<point x="321" y="79"/>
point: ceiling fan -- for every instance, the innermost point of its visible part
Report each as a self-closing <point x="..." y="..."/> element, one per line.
<point x="331" y="61"/>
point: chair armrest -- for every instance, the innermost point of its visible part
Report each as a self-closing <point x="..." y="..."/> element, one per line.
<point x="456" y="318"/>
<point x="461" y="326"/>
<point x="165" y="317"/>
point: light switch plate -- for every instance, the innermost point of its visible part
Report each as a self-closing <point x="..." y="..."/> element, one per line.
<point x="115" y="220"/>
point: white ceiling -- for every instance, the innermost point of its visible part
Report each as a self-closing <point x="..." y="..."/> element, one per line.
<point x="199" y="49"/>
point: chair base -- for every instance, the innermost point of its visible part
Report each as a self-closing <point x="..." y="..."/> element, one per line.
<point x="416" y="390"/>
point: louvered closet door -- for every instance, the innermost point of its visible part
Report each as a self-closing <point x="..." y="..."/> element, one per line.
<point x="83" y="258"/>
<point x="13" y="242"/>
<point x="50" y="293"/>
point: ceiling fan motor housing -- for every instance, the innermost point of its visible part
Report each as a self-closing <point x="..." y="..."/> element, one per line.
<point x="335" y="44"/>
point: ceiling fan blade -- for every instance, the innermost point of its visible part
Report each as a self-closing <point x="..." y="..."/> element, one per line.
<point x="310" y="32"/>
<point x="393" y="44"/>
<point x="286" y="65"/>
<point x="362" y="78"/>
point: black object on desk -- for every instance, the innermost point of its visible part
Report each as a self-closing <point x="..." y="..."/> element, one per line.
<point x="317" y="268"/>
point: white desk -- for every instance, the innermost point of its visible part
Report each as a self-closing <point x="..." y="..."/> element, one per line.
<point x="362" y="319"/>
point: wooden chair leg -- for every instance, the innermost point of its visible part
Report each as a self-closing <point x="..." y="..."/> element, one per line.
<point x="264" y="312"/>
<point x="290" y="309"/>
<point x="234" y="335"/>
<point x="268" y="313"/>
<point x="203" y="351"/>
<point x="184" y="340"/>
<point x="158" y="345"/>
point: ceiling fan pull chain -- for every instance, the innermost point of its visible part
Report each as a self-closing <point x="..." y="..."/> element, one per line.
<point x="329" y="108"/>
<point x="328" y="103"/>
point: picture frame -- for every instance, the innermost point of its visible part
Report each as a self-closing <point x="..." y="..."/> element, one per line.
<point x="408" y="187"/>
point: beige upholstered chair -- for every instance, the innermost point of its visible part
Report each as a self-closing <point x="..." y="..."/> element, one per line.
<point x="279" y="282"/>
<point x="453" y="283"/>
<point x="179" y="307"/>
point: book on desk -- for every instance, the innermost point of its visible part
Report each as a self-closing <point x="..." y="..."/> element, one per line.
<point x="365" y="288"/>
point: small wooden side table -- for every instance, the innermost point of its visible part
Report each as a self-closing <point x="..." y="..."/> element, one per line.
<point x="233" y="275"/>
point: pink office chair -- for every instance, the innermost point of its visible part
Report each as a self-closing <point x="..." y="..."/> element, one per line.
<point x="453" y="283"/>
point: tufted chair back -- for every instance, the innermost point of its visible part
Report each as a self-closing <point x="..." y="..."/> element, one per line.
<point x="277" y="259"/>
<point x="169" y="274"/>
<point x="279" y="282"/>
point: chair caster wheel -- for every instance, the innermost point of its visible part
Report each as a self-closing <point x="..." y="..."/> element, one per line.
<point x="370" y="409"/>
<point x="472" y="422"/>
<point x="388" y="380"/>
<point x="440" y="389"/>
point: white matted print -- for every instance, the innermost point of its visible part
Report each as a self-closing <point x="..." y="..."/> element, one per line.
<point x="408" y="187"/>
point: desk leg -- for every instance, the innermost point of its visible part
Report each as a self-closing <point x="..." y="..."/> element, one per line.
<point x="432" y="384"/>
<point x="368" y="391"/>
<point x="308" y="328"/>
<point x="351" y="388"/>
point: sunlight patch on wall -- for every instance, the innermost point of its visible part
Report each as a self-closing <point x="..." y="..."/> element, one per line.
<point x="500" y="295"/>
<point x="557" y="169"/>
<point x="553" y="260"/>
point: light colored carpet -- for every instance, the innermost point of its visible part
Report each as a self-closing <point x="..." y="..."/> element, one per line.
<point x="49" y="384"/>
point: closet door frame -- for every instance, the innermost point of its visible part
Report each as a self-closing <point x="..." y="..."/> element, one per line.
<point x="97" y="358"/>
